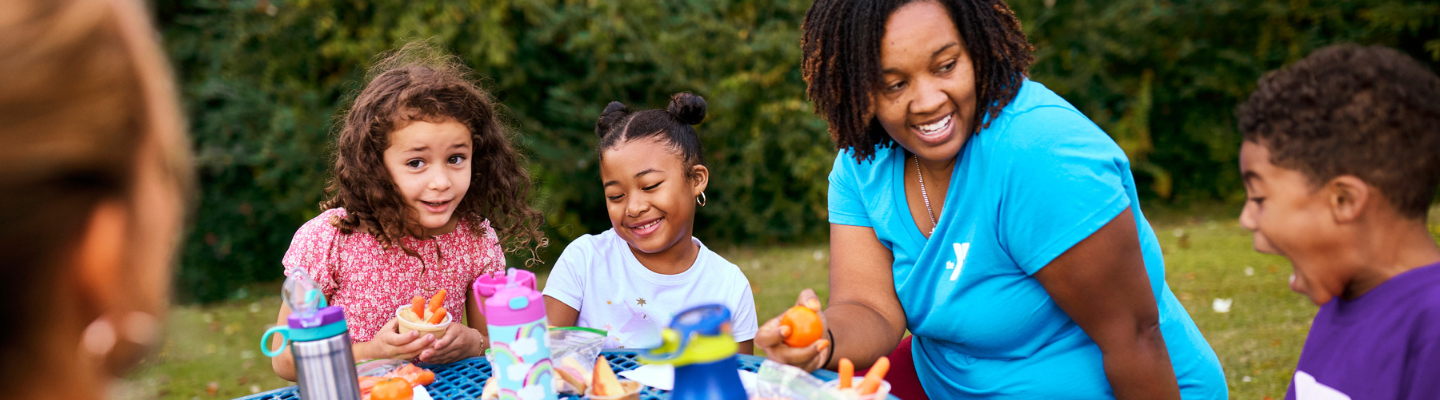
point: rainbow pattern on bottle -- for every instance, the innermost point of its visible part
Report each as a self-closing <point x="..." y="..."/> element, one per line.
<point x="520" y="353"/>
<point x="541" y="372"/>
<point x="537" y="331"/>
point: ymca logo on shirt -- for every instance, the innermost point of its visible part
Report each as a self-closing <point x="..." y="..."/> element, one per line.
<point x="1307" y="388"/>
<point x="961" y="250"/>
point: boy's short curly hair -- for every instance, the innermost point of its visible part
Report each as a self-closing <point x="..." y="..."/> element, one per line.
<point x="1371" y="112"/>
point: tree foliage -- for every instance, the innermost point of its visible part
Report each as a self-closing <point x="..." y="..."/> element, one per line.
<point x="1163" y="77"/>
<point x="263" y="81"/>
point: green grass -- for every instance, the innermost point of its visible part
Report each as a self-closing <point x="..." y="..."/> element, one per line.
<point x="1258" y="340"/>
<point x="211" y="346"/>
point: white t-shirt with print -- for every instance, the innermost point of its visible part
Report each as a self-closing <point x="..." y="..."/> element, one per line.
<point x="600" y="276"/>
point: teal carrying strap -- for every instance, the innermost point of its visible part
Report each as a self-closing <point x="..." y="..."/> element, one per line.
<point x="288" y="334"/>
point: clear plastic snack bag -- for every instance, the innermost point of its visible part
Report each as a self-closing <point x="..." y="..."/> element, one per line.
<point x="776" y="381"/>
<point x="572" y="353"/>
<point x="374" y="371"/>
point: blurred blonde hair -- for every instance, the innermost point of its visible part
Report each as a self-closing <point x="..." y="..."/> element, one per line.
<point x="84" y="85"/>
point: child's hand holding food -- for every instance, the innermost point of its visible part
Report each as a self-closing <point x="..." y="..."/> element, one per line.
<point x="389" y="343"/>
<point x="798" y="337"/>
<point x="458" y="343"/>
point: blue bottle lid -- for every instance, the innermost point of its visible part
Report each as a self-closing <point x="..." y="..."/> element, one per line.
<point x="706" y="320"/>
<point x="700" y="334"/>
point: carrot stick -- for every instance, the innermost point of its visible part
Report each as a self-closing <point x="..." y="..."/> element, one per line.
<point x="435" y="318"/>
<point x="875" y="376"/>
<point x="438" y="300"/>
<point x="847" y="372"/>
<point x="417" y="305"/>
<point x="368" y="382"/>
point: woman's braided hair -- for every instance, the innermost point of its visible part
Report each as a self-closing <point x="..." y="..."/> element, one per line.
<point x="840" y="40"/>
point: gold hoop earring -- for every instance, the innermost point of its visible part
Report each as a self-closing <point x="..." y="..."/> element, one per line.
<point x="701" y="199"/>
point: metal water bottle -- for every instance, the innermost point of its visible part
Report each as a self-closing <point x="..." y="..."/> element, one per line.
<point x="519" y="343"/>
<point x="319" y="340"/>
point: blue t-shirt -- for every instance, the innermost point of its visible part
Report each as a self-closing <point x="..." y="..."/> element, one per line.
<point x="1038" y="180"/>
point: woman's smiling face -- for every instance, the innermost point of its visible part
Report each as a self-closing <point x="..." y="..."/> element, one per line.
<point x="926" y="101"/>
<point x="649" y="194"/>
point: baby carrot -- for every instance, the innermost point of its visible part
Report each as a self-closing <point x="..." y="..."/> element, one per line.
<point x="873" y="378"/>
<point x="847" y="372"/>
<point x="417" y="305"/>
<point x="436" y="317"/>
<point x="438" y="300"/>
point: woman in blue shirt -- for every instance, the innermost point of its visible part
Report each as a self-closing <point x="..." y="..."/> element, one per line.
<point x="986" y="215"/>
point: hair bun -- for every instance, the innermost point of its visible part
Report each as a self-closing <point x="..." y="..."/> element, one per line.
<point x="687" y="107"/>
<point x="614" y="113"/>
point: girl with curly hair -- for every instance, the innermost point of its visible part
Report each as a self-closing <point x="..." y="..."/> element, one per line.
<point x="426" y="187"/>
<point x="985" y="215"/>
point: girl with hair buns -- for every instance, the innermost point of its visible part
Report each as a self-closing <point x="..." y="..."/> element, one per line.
<point x="94" y="178"/>
<point x="631" y="279"/>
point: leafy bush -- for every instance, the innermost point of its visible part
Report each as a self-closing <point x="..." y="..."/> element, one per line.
<point x="263" y="80"/>
<point x="1164" y="77"/>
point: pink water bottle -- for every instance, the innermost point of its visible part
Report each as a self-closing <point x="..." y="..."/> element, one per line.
<point x="519" y="348"/>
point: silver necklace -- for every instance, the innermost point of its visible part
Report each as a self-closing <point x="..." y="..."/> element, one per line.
<point x="926" y="196"/>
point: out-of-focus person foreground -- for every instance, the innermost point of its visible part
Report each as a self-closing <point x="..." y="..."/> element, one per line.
<point x="95" y="173"/>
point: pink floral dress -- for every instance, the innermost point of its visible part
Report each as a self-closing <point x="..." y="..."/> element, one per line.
<point x="369" y="282"/>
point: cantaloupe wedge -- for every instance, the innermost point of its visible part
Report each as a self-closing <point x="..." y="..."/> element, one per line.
<point x="605" y="383"/>
<point x="574" y="374"/>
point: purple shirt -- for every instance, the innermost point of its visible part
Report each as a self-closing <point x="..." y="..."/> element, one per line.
<point x="1383" y="345"/>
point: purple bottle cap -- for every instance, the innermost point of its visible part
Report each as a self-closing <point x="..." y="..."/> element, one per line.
<point x="514" y="306"/>
<point x="321" y="317"/>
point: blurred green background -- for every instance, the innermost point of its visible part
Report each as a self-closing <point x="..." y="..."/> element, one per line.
<point x="263" y="81"/>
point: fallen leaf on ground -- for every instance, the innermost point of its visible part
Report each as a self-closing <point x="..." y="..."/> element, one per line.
<point x="1221" y="305"/>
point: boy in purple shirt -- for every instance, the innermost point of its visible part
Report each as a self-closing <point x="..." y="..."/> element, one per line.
<point x="1341" y="157"/>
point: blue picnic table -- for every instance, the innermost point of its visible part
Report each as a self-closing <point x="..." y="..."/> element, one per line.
<point x="464" y="379"/>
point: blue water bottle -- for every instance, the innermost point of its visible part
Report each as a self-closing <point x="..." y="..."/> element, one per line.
<point x="319" y="340"/>
<point x="699" y="345"/>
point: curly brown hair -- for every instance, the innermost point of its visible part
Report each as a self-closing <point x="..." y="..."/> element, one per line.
<point x="416" y="84"/>
<point x="1371" y="112"/>
<point x="841" y="46"/>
